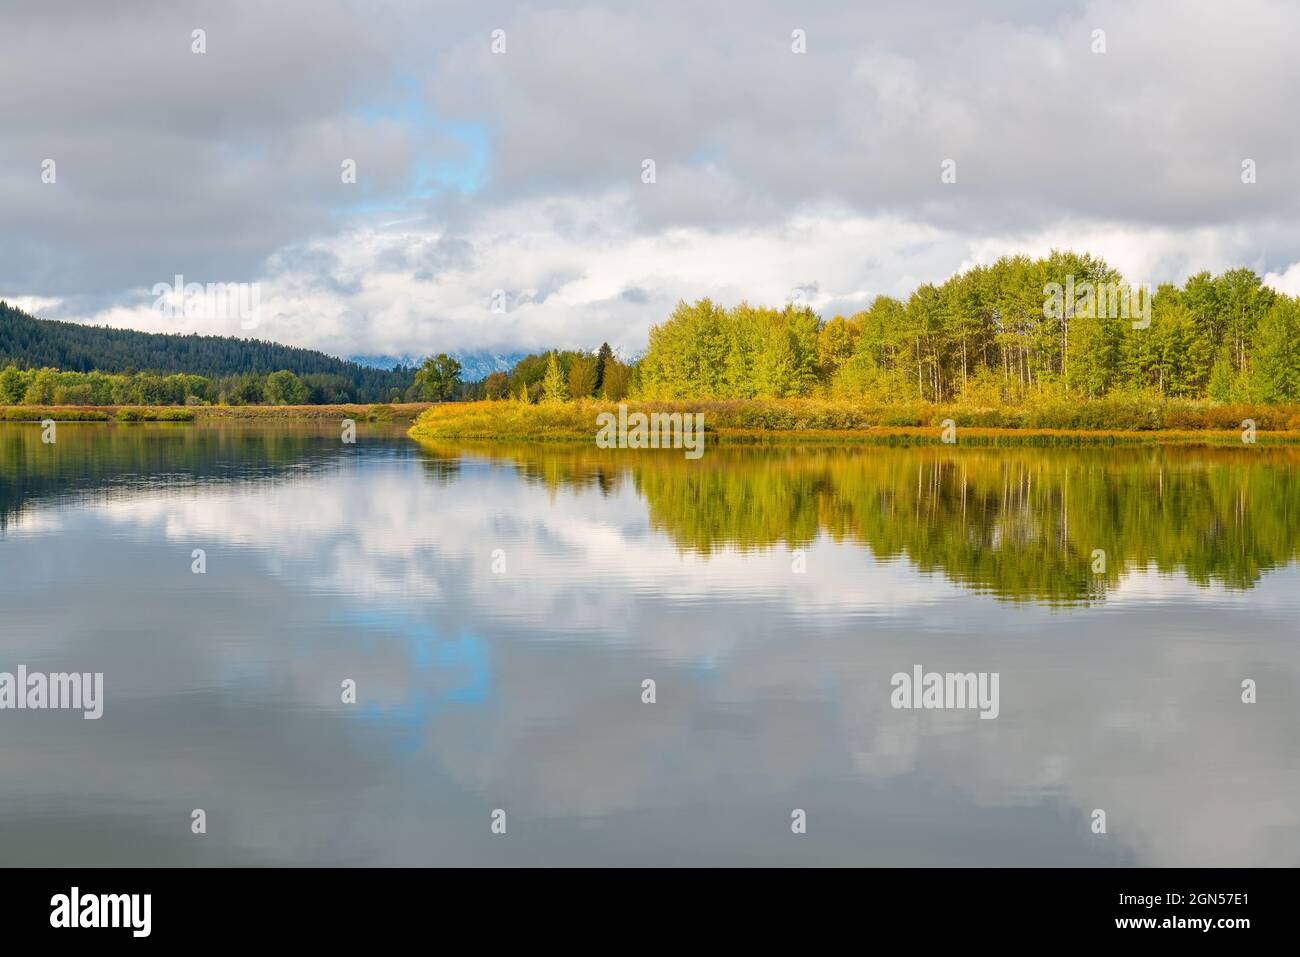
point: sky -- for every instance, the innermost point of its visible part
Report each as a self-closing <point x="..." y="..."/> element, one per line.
<point x="501" y="198"/>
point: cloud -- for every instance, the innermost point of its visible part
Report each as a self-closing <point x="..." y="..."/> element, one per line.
<point x="522" y="171"/>
<point x="1287" y="281"/>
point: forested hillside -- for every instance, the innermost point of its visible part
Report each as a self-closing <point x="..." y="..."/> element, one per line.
<point x="39" y="343"/>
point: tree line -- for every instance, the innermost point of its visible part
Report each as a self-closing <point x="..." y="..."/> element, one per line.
<point x="559" y="376"/>
<point x="31" y="343"/>
<point x="998" y="333"/>
<point x="1002" y="333"/>
<point x="57" y="387"/>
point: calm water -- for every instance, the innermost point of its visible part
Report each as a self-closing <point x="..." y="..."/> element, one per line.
<point x="522" y="690"/>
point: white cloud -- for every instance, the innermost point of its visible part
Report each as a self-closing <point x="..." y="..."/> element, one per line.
<point x="774" y="169"/>
<point x="1287" y="281"/>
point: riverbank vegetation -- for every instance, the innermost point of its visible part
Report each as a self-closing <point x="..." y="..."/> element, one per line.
<point x="49" y="386"/>
<point x="400" y="413"/>
<point x="1061" y="343"/>
<point x="805" y="419"/>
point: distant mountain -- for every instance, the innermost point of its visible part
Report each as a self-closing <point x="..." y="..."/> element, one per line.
<point x="386" y="362"/>
<point x="474" y="365"/>
<point x="31" y="342"/>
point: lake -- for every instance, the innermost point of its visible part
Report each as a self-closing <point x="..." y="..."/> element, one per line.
<point x="499" y="609"/>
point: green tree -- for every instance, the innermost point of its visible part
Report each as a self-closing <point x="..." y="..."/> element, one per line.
<point x="1243" y="300"/>
<point x="12" y="386"/>
<point x="1187" y="355"/>
<point x="686" y="356"/>
<point x="835" y="344"/>
<point x="41" y="386"/>
<point x="35" y="343"/>
<point x="1222" y="378"/>
<point x="438" y="377"/>
<point x="285" y="388"/>
<point x="1093" y="354"/>
<point x="1275" y="376"/>
<point x="248" y="390"/>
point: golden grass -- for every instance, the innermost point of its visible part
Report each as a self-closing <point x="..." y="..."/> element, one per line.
<point x="811" y="420"/>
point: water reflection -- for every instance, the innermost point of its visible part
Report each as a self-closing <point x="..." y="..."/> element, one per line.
<point x="521" y="690"/>
<point x="1056" y="525"/>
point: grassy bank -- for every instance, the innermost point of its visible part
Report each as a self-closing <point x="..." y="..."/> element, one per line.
<point x="405" y="412"/>
<point x="810" y="420"/>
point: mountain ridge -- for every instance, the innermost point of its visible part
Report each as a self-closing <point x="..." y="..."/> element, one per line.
<point x="475" y="364"/>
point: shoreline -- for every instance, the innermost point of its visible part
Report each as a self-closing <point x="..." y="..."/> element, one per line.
<point x="812" y="422"/>
<point x="361" y="412"/>
<point x="575" y="423"/>
<point x="907" y="436"/>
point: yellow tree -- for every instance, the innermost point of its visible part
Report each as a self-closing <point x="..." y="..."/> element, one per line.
<point x="554" y="387"/>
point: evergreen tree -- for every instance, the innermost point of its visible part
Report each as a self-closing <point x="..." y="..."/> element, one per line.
<point x="603" y="357"/>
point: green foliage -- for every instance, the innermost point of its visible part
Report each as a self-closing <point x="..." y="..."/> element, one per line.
<point x="1221" y="387"/>
<point x="707" y="352"/>
<point x="57" y="387"/>
<point x="1003" y="332"/>
<point x="438" y="378"/>
<point x="28" y="343"/>
<point x="285" y="388"/>
<point x="1276" y="366"/>
<point x="835" y="344"/>
<point x="12" y="386"/>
